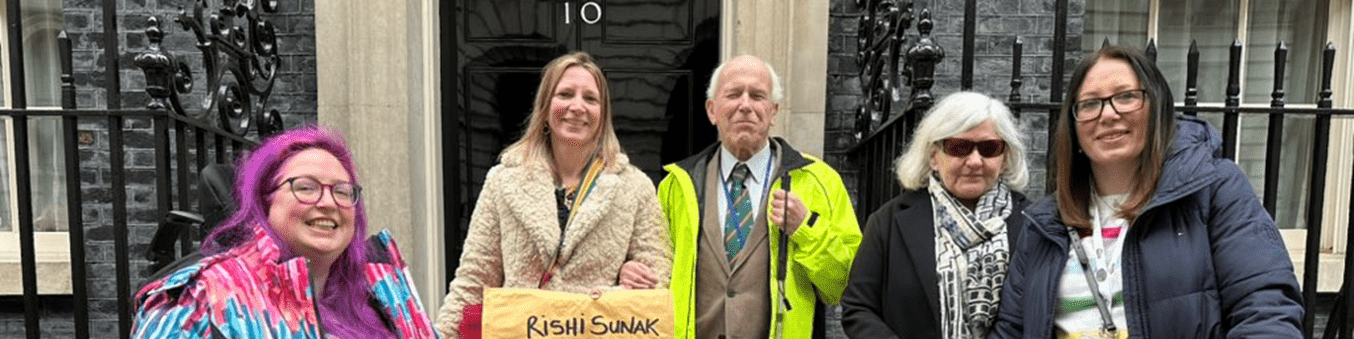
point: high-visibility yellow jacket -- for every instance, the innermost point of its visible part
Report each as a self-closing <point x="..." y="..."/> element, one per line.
<point x="820" y="254"/>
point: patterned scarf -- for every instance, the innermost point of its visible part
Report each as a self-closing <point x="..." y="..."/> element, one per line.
<point x="971" y="258"/>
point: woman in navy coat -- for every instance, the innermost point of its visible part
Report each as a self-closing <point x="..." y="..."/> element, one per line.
<point x="1150" y="234"/>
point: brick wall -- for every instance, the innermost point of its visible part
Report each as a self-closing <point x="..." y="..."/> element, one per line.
<point x="294" y="95"/>
<point x="998" y="23"/>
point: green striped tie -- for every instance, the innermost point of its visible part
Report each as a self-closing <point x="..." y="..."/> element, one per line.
<point x="738" y="220"/>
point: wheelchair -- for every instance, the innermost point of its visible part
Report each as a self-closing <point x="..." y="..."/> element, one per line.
<point x="216" y="201"/>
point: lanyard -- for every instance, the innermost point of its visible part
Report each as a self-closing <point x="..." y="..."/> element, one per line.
<point x="590" y="175"/>
<point x="1107" y="323"/>
<point x="729" y="201"/>
<point x="1104" y="266"/>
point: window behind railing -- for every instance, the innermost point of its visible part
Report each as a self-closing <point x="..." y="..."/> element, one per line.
<point x="40" y="22"/>
<point x="131" y="165"/>
<point x="1214" y="25"/>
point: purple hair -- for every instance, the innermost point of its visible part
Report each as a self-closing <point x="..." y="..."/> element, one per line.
<point x="344" y="301"/>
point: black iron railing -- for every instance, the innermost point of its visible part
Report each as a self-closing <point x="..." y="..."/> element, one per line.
<point x="881" y="134"/>
<point x="195" y="144"/>
<point x="240" y="62"/>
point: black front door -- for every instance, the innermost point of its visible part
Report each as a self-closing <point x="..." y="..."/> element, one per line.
<point x="657" y="55"/>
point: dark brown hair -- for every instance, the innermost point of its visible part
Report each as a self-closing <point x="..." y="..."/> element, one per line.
<point x="1072" y="168"/>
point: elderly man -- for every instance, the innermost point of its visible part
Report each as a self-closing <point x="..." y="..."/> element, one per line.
<point x="729" y="213"/>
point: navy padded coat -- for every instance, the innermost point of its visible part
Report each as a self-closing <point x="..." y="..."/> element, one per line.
<point x="1203" y="259"/>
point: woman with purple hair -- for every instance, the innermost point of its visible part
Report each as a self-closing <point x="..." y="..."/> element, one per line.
<point x="291" y="261"/>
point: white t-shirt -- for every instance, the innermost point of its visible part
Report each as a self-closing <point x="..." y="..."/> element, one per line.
<point x="1077" y="313"/>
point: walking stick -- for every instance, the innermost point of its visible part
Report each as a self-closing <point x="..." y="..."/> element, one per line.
<point x="784" y="305"/>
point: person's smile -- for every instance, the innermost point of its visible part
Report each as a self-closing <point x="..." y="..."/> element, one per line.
<point x="1112" y="135"/>
<point x="323" y="224"/>
<point x="576" y="125"/>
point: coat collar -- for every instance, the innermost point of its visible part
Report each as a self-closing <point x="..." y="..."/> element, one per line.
<point x="788" y="159"/>
<point x="1190" y="166"/>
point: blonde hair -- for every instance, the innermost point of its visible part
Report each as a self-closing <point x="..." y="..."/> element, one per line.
<point x="955" y="114"/>
<point x="534" y="147"/>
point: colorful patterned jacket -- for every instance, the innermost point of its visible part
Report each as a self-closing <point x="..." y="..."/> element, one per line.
<point x="247" y="293"/>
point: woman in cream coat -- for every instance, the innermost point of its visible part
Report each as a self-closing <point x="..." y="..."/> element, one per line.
<point x="564" y="210"/>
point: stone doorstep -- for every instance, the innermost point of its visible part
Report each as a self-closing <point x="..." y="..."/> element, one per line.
<point x="54" y="278"/>
<point x="1330" y="275"/>
<point x="1331" y="272"/>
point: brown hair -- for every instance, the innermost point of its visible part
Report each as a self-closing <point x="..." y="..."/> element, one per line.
<point x="534" y="147"/>
<point x="1072" y="168"/>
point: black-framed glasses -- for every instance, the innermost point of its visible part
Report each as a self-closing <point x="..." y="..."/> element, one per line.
<point x="309" y="191"/>
<point x="1122" y="102"/>
<point x="960" y="148"/>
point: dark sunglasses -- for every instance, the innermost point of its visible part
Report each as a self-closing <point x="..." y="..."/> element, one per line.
<point x="960" y="148"/>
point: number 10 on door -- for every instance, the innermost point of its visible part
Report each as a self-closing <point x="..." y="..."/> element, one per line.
<point x="590" y="12"/>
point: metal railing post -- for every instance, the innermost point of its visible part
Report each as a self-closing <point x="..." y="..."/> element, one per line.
<point x="1273" y="149"/>
<point x="74" y="199"/>
<point x="1230" y="118"/>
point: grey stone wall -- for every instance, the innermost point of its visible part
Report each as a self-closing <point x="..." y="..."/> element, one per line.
<point x="294" y="95"/>
<point x="998" y="23"/>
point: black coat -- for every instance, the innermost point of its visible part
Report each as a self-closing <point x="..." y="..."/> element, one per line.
<point x="892" y="292"/>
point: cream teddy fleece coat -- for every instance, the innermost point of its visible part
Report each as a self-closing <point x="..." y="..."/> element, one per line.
<point x="514" y="233"/>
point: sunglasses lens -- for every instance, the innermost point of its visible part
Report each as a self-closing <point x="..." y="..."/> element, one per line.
<point x="958" y="147"/>
<point x="991" y="148"/>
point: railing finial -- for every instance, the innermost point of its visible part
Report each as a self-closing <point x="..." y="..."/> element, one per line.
<point x="239" y="58"/>
<point x="1280" y="63"/>
<point x="923" y="58"/>
<point x="67" y="71"/>
<point x="1327" y="66"/>
<point x="157" y="66"/>
<point x="1192" y="77"/>
<point x="1234" y="74"/>
<point x="1151" y="50"/>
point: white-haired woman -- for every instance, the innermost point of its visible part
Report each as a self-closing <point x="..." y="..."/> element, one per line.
<point x="943" y="243"/>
